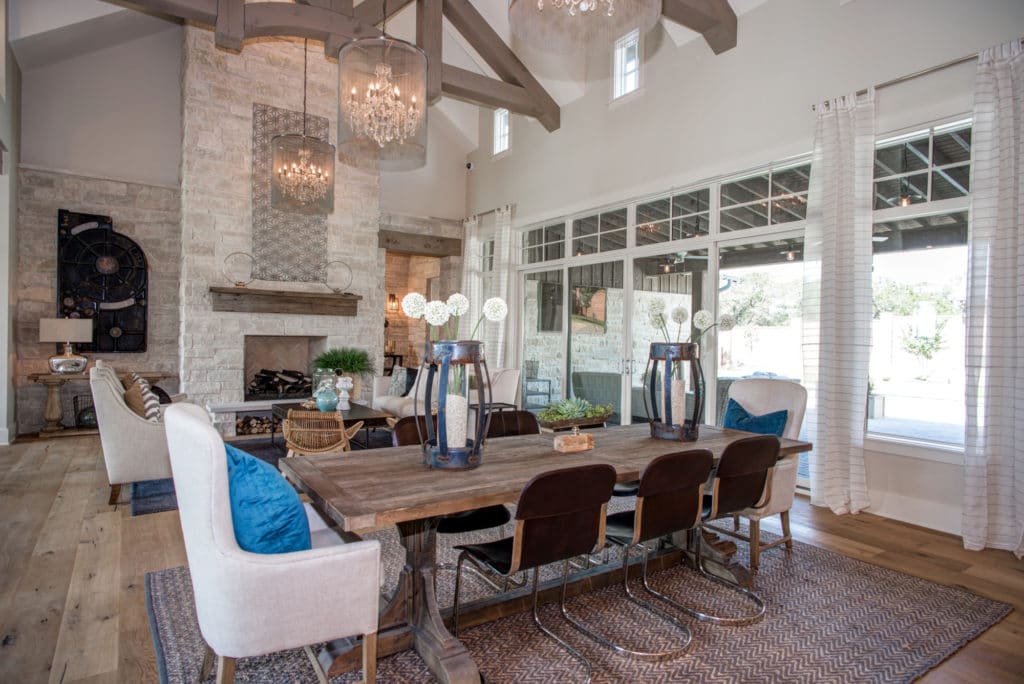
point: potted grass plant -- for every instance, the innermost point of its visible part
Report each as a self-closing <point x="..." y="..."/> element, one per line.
<point x="347" y="362"/>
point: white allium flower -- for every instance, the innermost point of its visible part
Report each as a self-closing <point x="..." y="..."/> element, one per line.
<point x="726" y="322"/>
<point x="413" y="305"/>
<point x="495" y="309"/>
<point x="656" y="306"/>
<point x="703" y="319"/>
<point x="458" y="304"/>
<point x="436" y="312"/>
<point x="657" y="320"/>
<point x="680" y="315"/>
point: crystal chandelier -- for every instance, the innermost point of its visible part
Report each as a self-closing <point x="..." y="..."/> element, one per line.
<point x="574" y="6"/>
<point x="302" y="178"/>
<point x="573" y="26"/>
<point x="381" y="113"/>
<point x="382" y="103"/>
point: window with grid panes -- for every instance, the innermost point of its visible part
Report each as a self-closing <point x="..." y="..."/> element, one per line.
<point x="673" y="218"/>
<point x="923" y="166"/>
<point x="604" y="232"/>
<point x="771" y="198"/>
<point x="626" y="65"/>
<point x="544" y="244"/>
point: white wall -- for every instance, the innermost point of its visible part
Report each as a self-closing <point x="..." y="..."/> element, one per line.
<point x="439" y="188"/>
<point x="114" y="113"/>
<point x="9" y="137"/>
<point x="29" y="17"/>
<point x="702" y="115"/>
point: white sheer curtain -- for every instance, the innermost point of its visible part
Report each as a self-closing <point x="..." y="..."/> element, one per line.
<point x="837" y="300"/>
<point x="472" y="284"/>
<point x="994" y="448"/>
<point x="500" y="337"/>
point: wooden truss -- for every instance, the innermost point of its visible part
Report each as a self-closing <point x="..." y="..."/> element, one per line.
<point x="336" y="21"/>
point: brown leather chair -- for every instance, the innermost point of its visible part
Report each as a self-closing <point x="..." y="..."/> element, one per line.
<point x="670" y="493"/>
<point x="512" y="423"/>
<point x="742" y="480"/>
<point x="560" y="515"/>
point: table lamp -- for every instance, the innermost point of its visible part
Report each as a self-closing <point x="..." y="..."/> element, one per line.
<point x="68" y="331"/>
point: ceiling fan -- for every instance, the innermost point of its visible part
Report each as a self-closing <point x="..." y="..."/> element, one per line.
<point x="681" y="257"/>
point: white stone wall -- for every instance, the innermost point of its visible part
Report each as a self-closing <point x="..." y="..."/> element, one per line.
<point x="148" y="214"/>
<point x="219" y="89"/>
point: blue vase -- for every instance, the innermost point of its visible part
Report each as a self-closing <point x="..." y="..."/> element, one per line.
<point x="326" y="400"/>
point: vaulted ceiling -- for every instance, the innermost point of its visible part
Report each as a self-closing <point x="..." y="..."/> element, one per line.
<point x="483" y="63"/>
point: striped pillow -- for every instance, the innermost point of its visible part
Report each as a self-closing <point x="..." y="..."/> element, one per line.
<point x="150" y="401"/>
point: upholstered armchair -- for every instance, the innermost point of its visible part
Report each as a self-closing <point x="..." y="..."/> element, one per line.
<point x="251" y="604"/>
<point x="134" y="449"/>
<point x="759" y="396"/>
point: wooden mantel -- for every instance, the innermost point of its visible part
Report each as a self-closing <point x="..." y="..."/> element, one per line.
<point x="248" y="300"/>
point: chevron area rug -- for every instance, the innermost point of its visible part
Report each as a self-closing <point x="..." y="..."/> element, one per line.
<point x="830" y="618"/>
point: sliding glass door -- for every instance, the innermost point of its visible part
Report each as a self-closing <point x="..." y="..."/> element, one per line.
<point x="543" y="351"/>
<point x="596" y="330"/>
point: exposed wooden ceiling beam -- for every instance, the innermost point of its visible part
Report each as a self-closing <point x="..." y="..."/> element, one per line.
<point x="489" y="45"/>
<point x="372" y="11"/>
<point x="320" y="20"/>
<point x="200" y="11"/>
<point x="302" y="21"/>
<point x="713" y="19"/>
<point x="428" y="36"/>
<point x="470" y="86"/>
<point x="229" y="31"/>
<point x="369" y="12"/>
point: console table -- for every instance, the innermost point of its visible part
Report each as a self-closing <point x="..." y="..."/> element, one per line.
<point x="54" y="411"/>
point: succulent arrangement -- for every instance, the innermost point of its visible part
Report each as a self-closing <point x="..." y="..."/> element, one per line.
<point x="574" y="409"/>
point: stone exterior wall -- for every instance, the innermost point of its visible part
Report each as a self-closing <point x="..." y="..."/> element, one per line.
<point x="219" y="91"/>
<point x="147" y="214"/>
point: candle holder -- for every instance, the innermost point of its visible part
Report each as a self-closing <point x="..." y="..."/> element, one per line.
<point x="456" y="442"/>
<point x="673" y="357"/>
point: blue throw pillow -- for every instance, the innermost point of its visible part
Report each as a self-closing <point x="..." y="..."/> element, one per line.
<point x="738" y="418"/>
<point x="267" y="513"/>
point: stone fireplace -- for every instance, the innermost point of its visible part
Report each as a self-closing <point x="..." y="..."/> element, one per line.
<point x="220" y="349"/>
<point x="284" y="356"/>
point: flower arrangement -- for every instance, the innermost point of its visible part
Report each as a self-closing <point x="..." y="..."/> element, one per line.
<point x="443" y="316"/>
<point x="703" y="321"/>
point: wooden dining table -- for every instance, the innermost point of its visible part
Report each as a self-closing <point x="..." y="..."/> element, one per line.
<point x="365" y="490"/>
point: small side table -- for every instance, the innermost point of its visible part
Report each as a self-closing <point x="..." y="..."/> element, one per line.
<point x="53" y="414"/>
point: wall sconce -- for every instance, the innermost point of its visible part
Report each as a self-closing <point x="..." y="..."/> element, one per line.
<point x="392" y="303"/>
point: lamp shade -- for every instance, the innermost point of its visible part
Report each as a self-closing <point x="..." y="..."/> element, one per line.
<point x="65" y="330"/>
<point x="570" y="26"/>
<point x="382" y="102"/>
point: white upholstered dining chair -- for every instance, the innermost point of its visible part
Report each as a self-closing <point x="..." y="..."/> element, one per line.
<point x="759" y="396"/>
<point x="251" y="604"/>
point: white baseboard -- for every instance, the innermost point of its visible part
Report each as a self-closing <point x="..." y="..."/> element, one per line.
<point x="5" y="436"/>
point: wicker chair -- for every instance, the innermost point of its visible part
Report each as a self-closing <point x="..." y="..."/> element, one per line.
<point x="317" y="432"/>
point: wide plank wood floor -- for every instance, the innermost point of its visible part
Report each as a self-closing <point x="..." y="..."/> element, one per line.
<point x="72" y="599"/>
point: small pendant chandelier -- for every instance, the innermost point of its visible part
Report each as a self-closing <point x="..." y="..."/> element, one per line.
<point x="302" y="179"/>
<point x="382" y="105"/>
<point x="570" y="26"/>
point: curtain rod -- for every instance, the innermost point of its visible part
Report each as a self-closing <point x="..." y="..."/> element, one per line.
<point x="495" y="210"/>
<point x="916" y="74"/>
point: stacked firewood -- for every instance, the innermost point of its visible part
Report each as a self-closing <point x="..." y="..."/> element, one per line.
<point x="280" y="383"/>
<point x="253" y="425"/>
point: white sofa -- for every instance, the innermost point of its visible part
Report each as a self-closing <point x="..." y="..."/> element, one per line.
<point x="504" y="384"/>
<point x="134" y="449"/>
<point x="251" y="604"/>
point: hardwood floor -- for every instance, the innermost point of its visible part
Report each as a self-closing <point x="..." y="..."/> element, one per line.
<point x="72" y="603"/>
